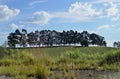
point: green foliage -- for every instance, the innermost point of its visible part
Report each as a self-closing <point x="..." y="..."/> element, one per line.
<point x="112" y="57"/>
<point x="64" y="38"/>
<point x="22" y="65"/>
<point x="4" y="52"/>
<point x="73" y="54"/>
<point x="92" y="60"/>
<point x="41" y="71"/>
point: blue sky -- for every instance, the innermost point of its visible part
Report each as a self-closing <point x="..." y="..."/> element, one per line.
<point x="95" y="16"/>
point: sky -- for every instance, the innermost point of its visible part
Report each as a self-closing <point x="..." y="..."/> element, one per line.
<point x="95" y="16"/>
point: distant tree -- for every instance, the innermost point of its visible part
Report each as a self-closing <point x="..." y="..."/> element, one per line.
<point x="24" y="38"/>
<point x="30" y="39"/>
<point x="85" y="38"/>
<point x="84" y="43"/>
<point x="97" y="40"/>
<point x="12" y="41"/>
<point x="116" y="44"/>
<point x="104" y="43"/>
<point x="37" y="38"/>
<point x="63" y="37"/>
<point x="94" y="38"/>
<point x="18" y="37"/>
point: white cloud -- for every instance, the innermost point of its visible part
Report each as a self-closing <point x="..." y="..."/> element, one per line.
<point x="14" y="26"/>
<point x="68" y="17"/>
<point x="39" y="18"/>
<point x="104" y="27"/>
<point x="104" y="1"/>
<point x="3" y="35"/>
<point x="84" y="9"/>
<point x="22" y="25"/>
<point x="81" y="31"/>
<point x="119" y="29"/>
<point x="78" y="12"/>
<point x="113" y="10"/>
<point x="105" y="4"/>
<point x="36" y="2"/>
<point x="115" y="19"/>
<point x="6" y="13"/>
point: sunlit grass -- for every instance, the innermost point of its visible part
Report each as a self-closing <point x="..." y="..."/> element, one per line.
<point x="33" y="64"/>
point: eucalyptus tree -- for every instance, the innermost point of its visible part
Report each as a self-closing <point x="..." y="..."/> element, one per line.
<point x="11" y="40"/>
<point x="37" y="38"/>
<point x="77" y="38"/>
<point x="94" y="39"/>
<point x="54" y="37"/>
<point x="101" y="41"/>
<point x="116" y="44"/>
<point x="97" y="40"/>
<point x="42" y="35"/>
<point x="18" y="36"/>
<point x="85" y="38"/>
<point x="30" y="39"/>
<point x="63" y="37"/>
<point x="24" y="38"/>
<point x="14" y="39"/>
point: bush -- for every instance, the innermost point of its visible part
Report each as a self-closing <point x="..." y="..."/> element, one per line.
<point x="112" y="57"/>
<point x="4" y="52"/>
<point x="41" y="71"/>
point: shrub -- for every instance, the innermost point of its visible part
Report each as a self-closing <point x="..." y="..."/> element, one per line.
<point x="111" y="57"/>
<point x="41" y="71"/>
<point x="4" y="52"/>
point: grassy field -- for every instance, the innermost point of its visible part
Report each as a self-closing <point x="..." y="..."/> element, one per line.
<point x="57" y="51"/>
<point x="40" y="63"/>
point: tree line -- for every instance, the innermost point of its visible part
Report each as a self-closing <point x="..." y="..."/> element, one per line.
<point x="53" y="38"/>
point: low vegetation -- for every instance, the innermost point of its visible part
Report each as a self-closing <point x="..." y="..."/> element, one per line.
<point x="36" y="63"/>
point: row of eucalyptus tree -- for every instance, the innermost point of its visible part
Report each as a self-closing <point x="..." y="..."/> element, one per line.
<point x="53" y="38"/>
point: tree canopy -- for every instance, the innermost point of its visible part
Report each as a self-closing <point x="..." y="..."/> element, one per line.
<point x="53" y="38"/>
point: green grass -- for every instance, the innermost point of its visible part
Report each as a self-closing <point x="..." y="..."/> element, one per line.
<point x="39" y="62"/>
<point x="51" y="51"/>
<point x="57" y="51"/>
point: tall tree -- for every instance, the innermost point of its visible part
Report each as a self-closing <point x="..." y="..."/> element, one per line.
<point x="85" y="38"/>
<point x="12" y="40"/>
<point x="18" y="37"/>
<point x="24" y="38"/>
<point x="52" y="37"/>
<point x="116" y="44"/>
